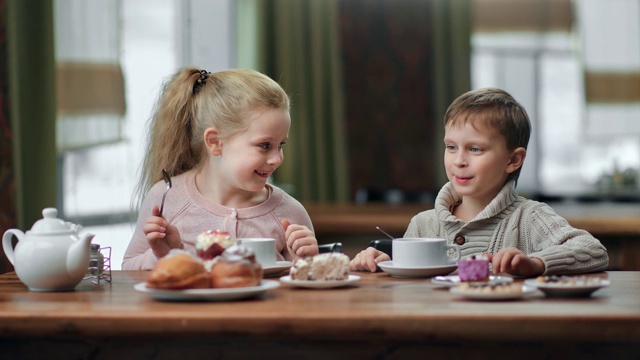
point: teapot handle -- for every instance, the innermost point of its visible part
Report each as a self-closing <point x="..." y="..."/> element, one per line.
<point x="7" y="244"/>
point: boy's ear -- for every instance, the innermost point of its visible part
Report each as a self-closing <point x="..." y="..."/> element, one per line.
<point x="517" y="159"/>
<point x="212" y="141"/>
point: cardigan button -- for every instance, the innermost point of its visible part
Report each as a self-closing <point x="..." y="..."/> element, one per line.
<point x="459" y="240"/>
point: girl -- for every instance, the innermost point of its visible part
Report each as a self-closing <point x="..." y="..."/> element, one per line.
<point x="219" y="136"/>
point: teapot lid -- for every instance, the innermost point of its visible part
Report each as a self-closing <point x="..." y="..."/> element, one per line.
<point x="50" y="223"/>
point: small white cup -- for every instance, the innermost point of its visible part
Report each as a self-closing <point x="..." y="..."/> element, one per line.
<point x="423" y="252"/>
<point x="264" y="248"/>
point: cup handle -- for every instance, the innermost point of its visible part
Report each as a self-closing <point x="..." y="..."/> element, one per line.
<point x="456" y="248"/>
<point x="7" y="244"/>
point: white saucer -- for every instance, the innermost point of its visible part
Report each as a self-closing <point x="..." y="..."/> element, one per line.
<point x="453" y="280"/>
<point x="492" y="296"/>
<point x="566" y="290"/>
<point x="277" y="269"/>
<point x="208" y="294"/>
<point x="416" y="272"/>
<point x="314" y="284"/>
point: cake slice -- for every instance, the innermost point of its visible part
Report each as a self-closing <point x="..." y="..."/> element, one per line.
<point x="323" y="267"/>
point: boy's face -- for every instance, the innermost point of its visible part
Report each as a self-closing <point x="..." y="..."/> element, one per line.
<point x="477" y="161"/>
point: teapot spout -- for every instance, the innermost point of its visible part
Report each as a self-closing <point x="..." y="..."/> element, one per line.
<point x="78" y="256"/>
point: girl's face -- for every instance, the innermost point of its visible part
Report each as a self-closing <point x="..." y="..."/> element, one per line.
<point x="477" y="161"/>
<point x="250" y="157"/>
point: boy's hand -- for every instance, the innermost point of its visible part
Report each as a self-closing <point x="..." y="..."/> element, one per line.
<point x="514" y="262"/>
<point x="161" y="235"/>
<point x="367" y="260"/>
<point x="301" y="241"/>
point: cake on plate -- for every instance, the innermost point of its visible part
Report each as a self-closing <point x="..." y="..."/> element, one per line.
<point x="323" y="267"/>
<point x="475" y="268"/>
<point x="211" y="243"/>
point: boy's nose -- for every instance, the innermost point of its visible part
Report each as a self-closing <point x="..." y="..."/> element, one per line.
<point x="459" y="160"/>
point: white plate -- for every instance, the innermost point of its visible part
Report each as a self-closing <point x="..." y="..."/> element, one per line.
<point x="208" y="294"/>
<point x="276" y="269"/>
<point x="314" y="284"/>
<point x="453" y="280"/>
<point x="475" y="295"/>
<point x="415" y="272"/>
<point x="566" y="290"/>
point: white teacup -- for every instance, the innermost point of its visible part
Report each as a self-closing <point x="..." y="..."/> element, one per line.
<point x="264" y="248"/>
<point x="423" y="252"/>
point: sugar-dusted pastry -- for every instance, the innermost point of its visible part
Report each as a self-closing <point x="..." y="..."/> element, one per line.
<point x="475" y="268"/>
<point x="323" y="267"/>
<point x="179" y="270"/>
<point x="236" y="267"/>
<point x="212" y="243"/>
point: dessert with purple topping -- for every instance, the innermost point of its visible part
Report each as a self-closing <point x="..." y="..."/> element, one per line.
<point x="475" y="268"/>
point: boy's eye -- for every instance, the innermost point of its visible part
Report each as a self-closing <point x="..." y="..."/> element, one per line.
<point x="475" y="149"/>
<point x="450" y="147"/>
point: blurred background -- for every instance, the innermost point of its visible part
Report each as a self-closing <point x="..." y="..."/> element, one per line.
<point x="370" y="81"/>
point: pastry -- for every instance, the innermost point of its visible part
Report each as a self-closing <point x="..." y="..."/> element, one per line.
<point x="179" y="270"/>
<point x="475" y="268"/>
<point x="236" y="267"/>
<point x="569" y="280"/>
<point x="491" y="287"/>
<point x="323" y="267"/>
<point x="212" y="243"/>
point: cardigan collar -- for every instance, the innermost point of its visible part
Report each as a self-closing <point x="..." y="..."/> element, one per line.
<point x="447" y="198"/>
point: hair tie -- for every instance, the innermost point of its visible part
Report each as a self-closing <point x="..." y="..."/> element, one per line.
<point x="204" y="74"/>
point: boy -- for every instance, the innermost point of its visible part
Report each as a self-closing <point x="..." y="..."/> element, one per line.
<point x="486" y="136"/>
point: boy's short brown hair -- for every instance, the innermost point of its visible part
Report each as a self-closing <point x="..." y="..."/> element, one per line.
<point x="496" y="109"/>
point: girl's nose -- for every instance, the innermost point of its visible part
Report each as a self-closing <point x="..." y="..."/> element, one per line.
<point x="275" y="159"/>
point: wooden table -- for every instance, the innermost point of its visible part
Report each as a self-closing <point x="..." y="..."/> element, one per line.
<point x="380" y="317"/>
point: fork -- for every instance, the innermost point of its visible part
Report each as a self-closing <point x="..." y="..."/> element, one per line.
<point x="167" y="181"/>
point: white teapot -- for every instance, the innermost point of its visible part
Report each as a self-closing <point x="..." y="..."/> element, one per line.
<point x="51" y="256"/>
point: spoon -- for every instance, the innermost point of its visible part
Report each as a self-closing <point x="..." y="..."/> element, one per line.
<point x="384" y="232"/>
<point x="167" y="181"/>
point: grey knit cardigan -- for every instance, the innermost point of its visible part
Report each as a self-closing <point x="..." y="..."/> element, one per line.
<point x="511" y="220"/>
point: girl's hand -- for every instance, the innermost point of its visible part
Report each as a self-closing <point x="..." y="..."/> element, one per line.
<point x="301" y="241"/>
<point x="367" y="260"/>
<point x="513" y="261"/>
<point x="161" y="235"/>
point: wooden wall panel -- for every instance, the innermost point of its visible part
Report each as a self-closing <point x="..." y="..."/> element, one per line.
<point x="388" y="78"/>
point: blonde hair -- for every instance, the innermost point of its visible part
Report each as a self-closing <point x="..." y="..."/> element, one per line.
<point x="493" y="108"/>
<point x="194" y="100"/>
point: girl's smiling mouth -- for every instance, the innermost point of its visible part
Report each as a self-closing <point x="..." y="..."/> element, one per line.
<point x="264" y="174"/>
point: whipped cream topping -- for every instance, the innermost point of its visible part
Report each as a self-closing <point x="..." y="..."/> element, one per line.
<point x="209" y="237"/>
<point x="237" y="253"/>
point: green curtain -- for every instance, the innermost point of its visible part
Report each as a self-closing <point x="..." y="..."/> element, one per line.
<point x="30" y="53"/>
<point x="452" y="24"/>
<point x="299" y="48"/>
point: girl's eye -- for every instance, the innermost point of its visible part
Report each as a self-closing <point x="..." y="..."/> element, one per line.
<point x="282" y="144"/>
<point x="265" y="146"/>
